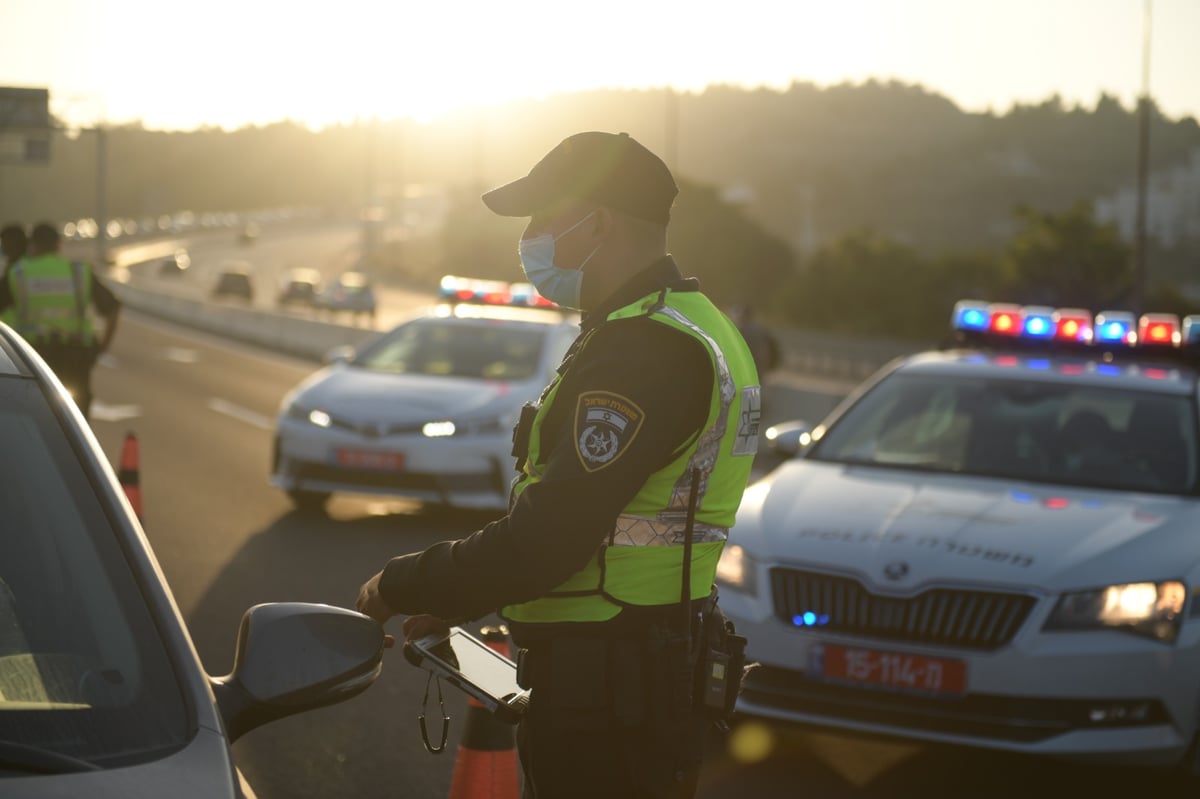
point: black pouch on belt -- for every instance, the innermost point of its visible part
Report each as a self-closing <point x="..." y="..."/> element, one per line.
<point x="721" y="666"/>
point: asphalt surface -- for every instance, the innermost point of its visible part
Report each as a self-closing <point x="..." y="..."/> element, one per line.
<point x="203" y="411"/>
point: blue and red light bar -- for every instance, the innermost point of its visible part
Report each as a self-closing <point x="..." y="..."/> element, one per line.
<point x="491" y="292"/>
<point x="1034" y="323"/>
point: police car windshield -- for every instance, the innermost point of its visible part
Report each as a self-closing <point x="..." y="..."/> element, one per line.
<point x="1042" y="432"/>
<point x="453" y="347"/>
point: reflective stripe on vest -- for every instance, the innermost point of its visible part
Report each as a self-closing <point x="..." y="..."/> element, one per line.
<point x="640" y="564"/>
<point x="51" y="295"/>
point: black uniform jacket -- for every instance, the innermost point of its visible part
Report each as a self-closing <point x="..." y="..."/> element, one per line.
<point x="557" y="524"/>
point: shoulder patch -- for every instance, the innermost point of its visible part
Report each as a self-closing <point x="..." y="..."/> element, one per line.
<point x="746" y="442"/>
<point x="605" y="425"/>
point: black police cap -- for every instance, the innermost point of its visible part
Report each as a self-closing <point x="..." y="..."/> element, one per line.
<point x="611" y="169"/>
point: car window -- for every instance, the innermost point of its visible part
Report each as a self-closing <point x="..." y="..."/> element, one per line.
<point x="451" y="348"/>
<point x="83" y="669"/>
<point x="1046" y="432"/>
<point x="234" y="281"/>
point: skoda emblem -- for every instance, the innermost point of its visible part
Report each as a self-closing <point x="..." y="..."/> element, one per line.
<point x="896" y="570"/>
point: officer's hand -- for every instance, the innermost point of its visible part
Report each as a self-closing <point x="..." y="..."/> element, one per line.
<point x="371" y="603"/>
<point x="422" y="625"/>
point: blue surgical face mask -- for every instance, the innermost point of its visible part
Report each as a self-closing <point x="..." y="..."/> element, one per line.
<point x="561" y="286"/>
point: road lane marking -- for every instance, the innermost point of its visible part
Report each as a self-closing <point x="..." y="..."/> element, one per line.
<point x="103" y="412"/>
<point x="241" y="414"/>
<point x="181" y="355"/>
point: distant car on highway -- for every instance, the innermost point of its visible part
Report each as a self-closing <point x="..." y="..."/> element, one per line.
<point x="234" y="282"/>
<point x="299" y="287"/>
<point x="425" y="410"/>
<point x="994" y="545"/>
<point x="102" y="693"/>
<point x="175" y="264"/>
<point x="351" y="292"/>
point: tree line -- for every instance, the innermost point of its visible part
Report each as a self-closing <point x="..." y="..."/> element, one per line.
<point x="857" y="208"/>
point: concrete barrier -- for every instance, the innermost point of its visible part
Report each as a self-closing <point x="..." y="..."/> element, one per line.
<point x="306" y="338"/>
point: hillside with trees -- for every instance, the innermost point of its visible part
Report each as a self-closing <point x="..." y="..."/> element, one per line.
<point x="835" y="203"/>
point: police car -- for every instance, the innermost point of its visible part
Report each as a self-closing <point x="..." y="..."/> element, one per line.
<point x="996" y="544"/>
<point x="427" y="409"/>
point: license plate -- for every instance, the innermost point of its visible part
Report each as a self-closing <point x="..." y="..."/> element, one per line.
<point x="366" y="459"/>
<point x="893" y="670"/>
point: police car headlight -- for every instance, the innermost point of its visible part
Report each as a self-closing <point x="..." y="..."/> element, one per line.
<point x="315" y="416"/>
<point x="439" y="429"/>
<point x="737" y="570"/>
<point x="1154" y="610"/>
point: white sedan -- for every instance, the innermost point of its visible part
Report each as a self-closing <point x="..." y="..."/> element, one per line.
<point x="996" y="545"/>
<point x="424" y="411"/>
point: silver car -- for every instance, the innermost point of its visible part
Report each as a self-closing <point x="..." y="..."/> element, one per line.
<point x="101" y="691"/>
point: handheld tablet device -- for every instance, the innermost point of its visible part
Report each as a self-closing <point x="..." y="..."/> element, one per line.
<point x="475" y="667"/>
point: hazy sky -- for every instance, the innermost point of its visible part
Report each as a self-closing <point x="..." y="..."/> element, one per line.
<point x="178" y="65"/>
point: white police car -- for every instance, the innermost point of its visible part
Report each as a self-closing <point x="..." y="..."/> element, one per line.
<point x="427" y="409"/>
<point x="995" y="545"/>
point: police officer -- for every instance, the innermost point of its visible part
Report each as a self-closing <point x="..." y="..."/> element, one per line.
<point x="50" y="299"/>
<point x="630" y="469"/>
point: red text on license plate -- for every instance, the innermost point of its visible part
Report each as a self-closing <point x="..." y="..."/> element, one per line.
<point x="893" y="670"/>
<point x="366" y="459"/>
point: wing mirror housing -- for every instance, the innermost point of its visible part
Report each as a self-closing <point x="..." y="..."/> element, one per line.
<point x="296" y="656"/>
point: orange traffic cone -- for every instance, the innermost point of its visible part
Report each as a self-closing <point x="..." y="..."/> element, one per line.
<point x="486" y="765"/>
<point x="127" y="473"/>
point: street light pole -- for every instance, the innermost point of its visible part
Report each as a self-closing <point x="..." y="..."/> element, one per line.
<point x="1143" y="167"/>
<point x="101" y="197"/>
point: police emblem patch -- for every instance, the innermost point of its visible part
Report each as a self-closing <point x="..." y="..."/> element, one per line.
<point x="605" y="424"/>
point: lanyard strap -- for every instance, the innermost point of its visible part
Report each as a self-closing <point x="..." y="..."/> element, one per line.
<point x="434" y="750"/>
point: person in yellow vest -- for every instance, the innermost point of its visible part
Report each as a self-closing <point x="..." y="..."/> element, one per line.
<point x="52" y="300"/>
<point x="630" y="469"/>
<point x="13" y="242"/>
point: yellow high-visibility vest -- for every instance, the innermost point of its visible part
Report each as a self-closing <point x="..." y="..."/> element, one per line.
<point x="641" y="562"/>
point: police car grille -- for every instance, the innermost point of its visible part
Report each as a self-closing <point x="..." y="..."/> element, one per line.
<point x="981" y="620"/>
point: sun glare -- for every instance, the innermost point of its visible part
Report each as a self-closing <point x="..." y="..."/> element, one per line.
<point x="239" y="63"/>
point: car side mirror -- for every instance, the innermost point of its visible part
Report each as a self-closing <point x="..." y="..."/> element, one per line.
<point x="788" y="439"/>
<point x="296" y="656"/>
<point x="340" y="354"/>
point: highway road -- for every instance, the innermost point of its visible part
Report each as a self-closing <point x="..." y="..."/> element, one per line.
<point x="203" y="407"/>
